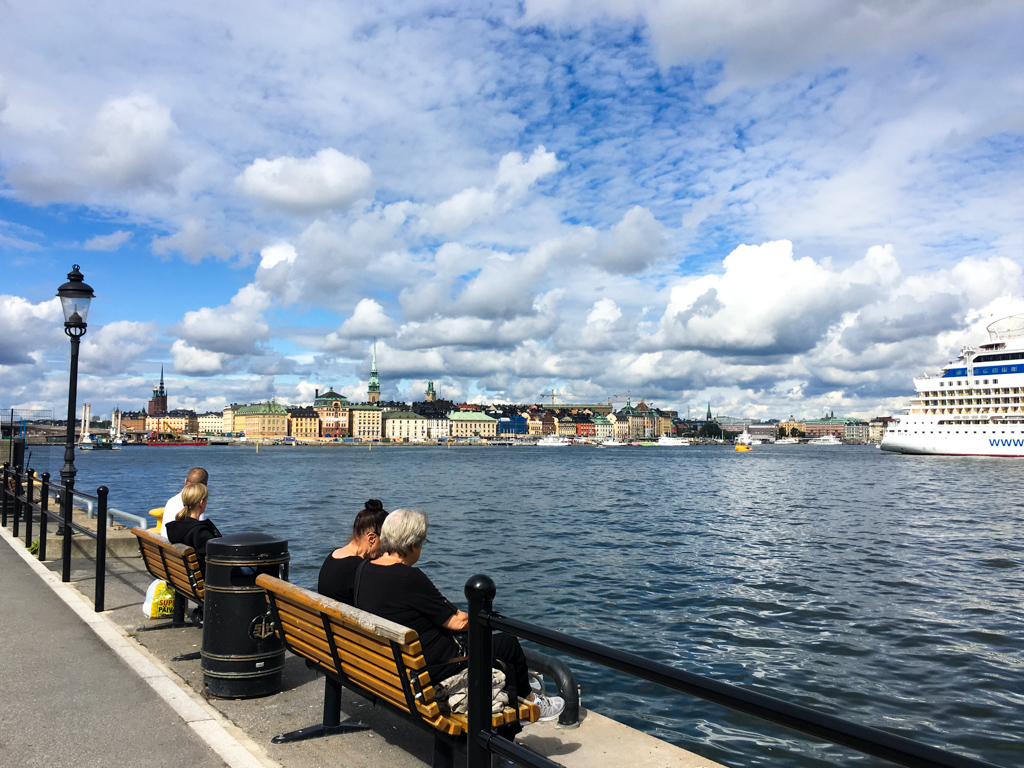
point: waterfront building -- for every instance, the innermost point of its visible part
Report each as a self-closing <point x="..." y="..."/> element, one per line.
<point x="856" y="432"/>
<point x="585" y="426"/>
<point x="180" y="421"/>
<point x="333" y="410"/>
<point x="877" y="427"/>
<point x="228" y="419"/>
<point x="472" y="424"/>
<point x="438" y="428"/>
<point x="373" y="389"/>
<point x="405" y="426"/>
<point x="365" y="422"/>
<point x="789" y="425"/>
<point x="303" y="422"/>
<point x="262" y="420"/>
<point x="158" y="402"/>
<point x="566" y="427"/>
<point x="604" y="429"/>
<point x="762" y="430"/>
<point x="830" y="425"/>
<point x="512" y="426"/>
<point x="535" y="422"/>
<point x="133" y="421"/>
<point x="210" y="423"/>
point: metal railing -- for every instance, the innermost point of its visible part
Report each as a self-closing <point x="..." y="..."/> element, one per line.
<point x="483" y="740"/>
<point x="23" y="495"/>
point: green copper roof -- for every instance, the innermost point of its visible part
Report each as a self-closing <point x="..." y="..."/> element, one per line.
<point x="261" y="408"/>
<point x="325" y="399"/>
<point x="469" y="416"/>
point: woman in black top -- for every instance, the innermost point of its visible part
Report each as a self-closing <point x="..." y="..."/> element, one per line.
<point x="392" y="588"/>
<point x="188" y="529"/>
<point x="338" y="571"/>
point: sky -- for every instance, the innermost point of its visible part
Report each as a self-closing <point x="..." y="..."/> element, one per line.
<point x="778" y="208"/>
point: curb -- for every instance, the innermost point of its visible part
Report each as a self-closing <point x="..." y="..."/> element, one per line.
<point x="230" y="743"/>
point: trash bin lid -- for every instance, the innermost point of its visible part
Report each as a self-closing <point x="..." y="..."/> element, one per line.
<point x="246" y="545"/>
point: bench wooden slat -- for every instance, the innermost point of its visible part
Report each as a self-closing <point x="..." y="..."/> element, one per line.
<point x="176" y="564"/>
<point x="363" y="645"/>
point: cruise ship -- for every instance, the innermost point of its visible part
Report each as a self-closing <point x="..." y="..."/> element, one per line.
<point x="972" y="407"/>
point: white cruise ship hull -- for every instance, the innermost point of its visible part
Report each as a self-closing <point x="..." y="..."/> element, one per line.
<point x="921" y="436"/>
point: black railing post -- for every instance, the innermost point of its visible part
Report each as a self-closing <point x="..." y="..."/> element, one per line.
<point x="480" y="591"/>
<point x="17" y="502"/>
<point x="67" y="504"/>
<point x="30" y="487"/>
<point x="3" y="496"/>
<point x="44" y="514"/>
<point x="101" y="547"/>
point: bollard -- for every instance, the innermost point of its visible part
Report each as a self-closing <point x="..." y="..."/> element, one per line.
<point x="28" y="509"/>
<point x="44" y="515"/>
<point x="242" y="657"/>
<point x="17" y="502"/>
<point x="101" y="549"/>
<point x="480" y="591"/>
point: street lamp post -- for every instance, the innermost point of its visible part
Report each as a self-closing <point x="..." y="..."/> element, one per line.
<point x="75" y="296"/>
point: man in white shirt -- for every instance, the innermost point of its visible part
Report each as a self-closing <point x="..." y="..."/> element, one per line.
<point x="174" y="505"/>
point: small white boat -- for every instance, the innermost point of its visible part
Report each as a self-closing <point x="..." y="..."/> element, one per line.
<point x="86" y="443"/>
<point x="745" y="438"/>
<point x="611" y="442"/>
<point x="787" y="441"/>
<point x="825" y="440"/>
<point x="670" y="440"/>
<point x="553" y="441"/>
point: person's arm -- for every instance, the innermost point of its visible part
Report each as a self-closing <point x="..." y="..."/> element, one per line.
<point x="457" y="622"/>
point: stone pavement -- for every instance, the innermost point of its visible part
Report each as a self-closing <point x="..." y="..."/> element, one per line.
<point x="67" y="699"/>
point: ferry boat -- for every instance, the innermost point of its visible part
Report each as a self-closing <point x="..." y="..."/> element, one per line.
<point x="671" y="440"/>
<point x="787" y="441"/>
<point x="973" y="406"/>
<point x="611" y="442"/>
<point x="745" y="438"/>
<point x="825" y="440"/>
<point x="552" y="441"/>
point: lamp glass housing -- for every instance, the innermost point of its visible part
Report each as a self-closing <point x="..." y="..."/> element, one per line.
<point x="75" y="297"/>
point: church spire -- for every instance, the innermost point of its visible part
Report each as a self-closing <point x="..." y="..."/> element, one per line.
<point x="708" y="417"/>
<point x="373" y="390"/>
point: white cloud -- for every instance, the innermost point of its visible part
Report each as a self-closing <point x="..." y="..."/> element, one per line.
<point x="327" y="180"/>
<point x="276" y="254"/>
<point x="604" y="312"/>
<point x="114" y="348"/>
<point x="231" y="330"/>
<point x="196" y="362"/>
<point x="25" y="327"/>
<point x="110" y="242"/>
<point x="635" y="243"/>
<point x="194" y="241"/>
<point x="368" y="321"/>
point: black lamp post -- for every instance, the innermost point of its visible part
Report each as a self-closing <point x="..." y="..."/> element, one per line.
<point x="75" y="296"/>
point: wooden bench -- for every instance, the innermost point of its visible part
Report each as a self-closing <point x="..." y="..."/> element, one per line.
<point x="375" y="658"/>
<point x="176" y="564"/>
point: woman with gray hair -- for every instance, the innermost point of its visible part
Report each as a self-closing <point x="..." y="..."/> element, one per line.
<point x="393" y="588"/>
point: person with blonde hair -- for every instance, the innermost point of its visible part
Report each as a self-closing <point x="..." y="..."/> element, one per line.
<point x="174" y="504"/>
<point x="338" y="569"/>
<point x="393" y="588"/>
<point x="189" y="527"/>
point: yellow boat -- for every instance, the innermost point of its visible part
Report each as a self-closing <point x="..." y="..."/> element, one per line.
<point x="741" y="447"/>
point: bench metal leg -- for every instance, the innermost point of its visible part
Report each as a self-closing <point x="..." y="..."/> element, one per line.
<point x="444" y="753"/>
<point x="332" y="719"/>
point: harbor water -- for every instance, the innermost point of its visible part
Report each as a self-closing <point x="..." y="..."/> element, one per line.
<point x="886" y="589"/>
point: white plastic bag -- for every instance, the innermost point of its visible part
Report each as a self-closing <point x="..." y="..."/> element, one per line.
<point x="159" y="602"/>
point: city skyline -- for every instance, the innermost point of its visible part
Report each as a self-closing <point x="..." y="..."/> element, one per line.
<point x="782" y="213"/>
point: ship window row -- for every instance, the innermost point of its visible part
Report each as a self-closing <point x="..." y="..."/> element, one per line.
<point x="983" y="370"/>
<point x="1000" y="356"/>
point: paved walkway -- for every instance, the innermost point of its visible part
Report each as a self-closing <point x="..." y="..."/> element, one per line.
<point x="68" y="699"/>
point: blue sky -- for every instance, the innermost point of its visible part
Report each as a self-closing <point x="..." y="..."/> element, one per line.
<point x="780" y="208"/>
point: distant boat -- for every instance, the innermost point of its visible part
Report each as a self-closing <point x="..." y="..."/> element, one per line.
<point x="825" y="440"/>
<point x="553" y="441"/>
<point x="742" y="447"/>
<point x="670" y="440"/>
<point x="787" y="441"/>
<point x="611" y="442"/>
<point x="745" y="438"/>
<point x="175" y="442"/>
<point x="86" y="443"/>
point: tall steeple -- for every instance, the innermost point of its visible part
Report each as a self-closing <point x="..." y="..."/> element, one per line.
<point x="373" y="391"/>
<point x="430" y="395"/>
<point x="162" y="390"/>
<point x="708" y="417"/>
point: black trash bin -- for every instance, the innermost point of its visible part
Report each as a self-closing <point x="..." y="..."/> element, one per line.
<point x="241" y="655"/>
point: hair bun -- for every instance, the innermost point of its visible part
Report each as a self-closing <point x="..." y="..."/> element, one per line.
<point x="374" y="505"/>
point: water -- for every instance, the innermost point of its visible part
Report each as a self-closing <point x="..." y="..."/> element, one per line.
<point x="886" y="589"/>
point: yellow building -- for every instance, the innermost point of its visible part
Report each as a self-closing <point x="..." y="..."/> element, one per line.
<point x="333" y="410"/>
<point x="472" y="424"/>
<point x="178" y="421"/>
<point x="262" y="420"/>
<point x="303" y="423"/>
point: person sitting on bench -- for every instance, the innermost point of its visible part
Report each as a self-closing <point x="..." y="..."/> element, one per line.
<point x="338" y="571"/>
<point x="392" y="588"/>
<point x="187" y="528"/>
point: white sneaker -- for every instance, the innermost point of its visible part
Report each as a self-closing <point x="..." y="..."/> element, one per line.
<point x="550" y="706"/>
